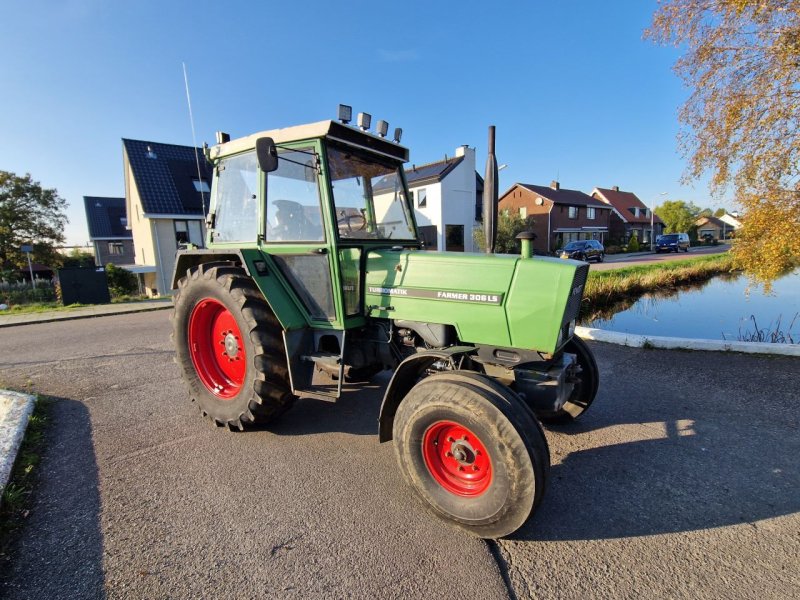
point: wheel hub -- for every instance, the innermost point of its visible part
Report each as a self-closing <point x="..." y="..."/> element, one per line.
<point x="231" y="345"/>
<point x="463" y="452"/>
<point x="457" y="459"/>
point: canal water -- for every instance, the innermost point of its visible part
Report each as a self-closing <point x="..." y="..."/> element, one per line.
<point x="720" y="309"/>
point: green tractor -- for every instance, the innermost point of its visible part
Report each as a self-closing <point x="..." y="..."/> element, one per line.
<point x="314" y="277"/>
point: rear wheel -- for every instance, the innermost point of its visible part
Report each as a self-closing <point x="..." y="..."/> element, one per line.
<point x="585" y="388"/>
<point x="472" y="451"/>
<point x="228" y="344"/>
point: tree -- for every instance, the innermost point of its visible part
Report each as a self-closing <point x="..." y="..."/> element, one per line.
<point x="678" y="216"/>
<point x="741" y="122"/>
<point x="706" y="212"/>
<point x="29" y="214"/>
<point x="720" y="212"/>
<point x="78" y="258"/>
<point x="508" y="227"/>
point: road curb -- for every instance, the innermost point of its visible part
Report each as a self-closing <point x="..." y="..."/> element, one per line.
<point x="69" y="317"/>
<point x="15" y="411"/>
<point x="674" y="343"/>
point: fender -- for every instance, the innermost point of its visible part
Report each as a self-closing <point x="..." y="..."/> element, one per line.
<point x="405" y="377"/>
<point x="186" y="259"/>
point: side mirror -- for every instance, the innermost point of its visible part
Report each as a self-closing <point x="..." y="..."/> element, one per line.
<point x="267" y="154"/>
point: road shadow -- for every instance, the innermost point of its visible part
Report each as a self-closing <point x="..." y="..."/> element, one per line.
<point x="694" y="451"/>
<point x="58" y="552"/>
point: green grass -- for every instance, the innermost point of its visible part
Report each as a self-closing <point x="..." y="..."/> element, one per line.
<point x="39" y="307"/>
<point x="16" y="500"/>
<point x="605" y="288"/>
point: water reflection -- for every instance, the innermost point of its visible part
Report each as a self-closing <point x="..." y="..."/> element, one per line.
<point x="721" y="308"/>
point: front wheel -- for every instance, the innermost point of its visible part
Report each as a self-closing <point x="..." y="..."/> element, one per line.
<point x="585" y="386"/>
<point x="472" y="451"/>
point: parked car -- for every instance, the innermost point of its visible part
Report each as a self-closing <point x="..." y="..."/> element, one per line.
<point x="585" y="250"/>
<point x="672" y="242"/>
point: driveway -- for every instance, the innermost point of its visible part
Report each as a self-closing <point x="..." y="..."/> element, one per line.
<point x="681" y="482"/>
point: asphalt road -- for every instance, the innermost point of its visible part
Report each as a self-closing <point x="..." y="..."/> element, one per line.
<point x="616" y="261"/>
<point x="681" y="482"/>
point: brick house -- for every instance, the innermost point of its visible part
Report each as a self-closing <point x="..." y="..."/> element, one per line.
<point x="559" y="215"/>
<point x="629" y="217"/>
<point x="108" y="230"/>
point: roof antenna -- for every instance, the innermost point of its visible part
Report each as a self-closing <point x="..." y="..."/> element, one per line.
<point x="194" y="141"/>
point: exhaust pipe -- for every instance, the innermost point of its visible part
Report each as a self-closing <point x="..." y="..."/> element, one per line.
<point x="490" y="193"/>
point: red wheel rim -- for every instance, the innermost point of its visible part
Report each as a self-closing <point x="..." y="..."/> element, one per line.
<point x="216" y="347"/>
<point x="457" y="459"/>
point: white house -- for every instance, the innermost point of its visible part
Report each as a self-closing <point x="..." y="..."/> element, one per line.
<point x="731" y="220"/>
<point x="447" y="200"/>
<point x="166" y="202"/>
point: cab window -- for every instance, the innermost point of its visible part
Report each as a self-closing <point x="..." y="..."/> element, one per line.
<point x="236" y="203"/>
<point x="293" y="202"/>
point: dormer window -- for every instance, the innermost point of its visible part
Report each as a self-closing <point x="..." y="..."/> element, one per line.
<point x="201" y="185"/>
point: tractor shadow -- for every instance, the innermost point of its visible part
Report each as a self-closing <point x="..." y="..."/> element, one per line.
<point x="690" y="454"/>
<point x="356" y="412"/>
<point x="58" y="550"/>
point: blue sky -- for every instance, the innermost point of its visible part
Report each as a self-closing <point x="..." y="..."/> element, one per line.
<point x="574" y="90"/>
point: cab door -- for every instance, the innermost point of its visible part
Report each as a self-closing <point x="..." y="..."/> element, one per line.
<point x="294" y="235"/>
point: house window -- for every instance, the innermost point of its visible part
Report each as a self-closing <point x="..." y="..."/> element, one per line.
<point x="181" y="232"/>
<point x="523" y="212"/>
<point x="188" y="232"/>
<point x="201" y="185"/>
<point x="454" y="238"/>
<point x="573" y="212"/>
<point x="590" y="212"/>
<point x="422" y="198"/>
<point x="115" y="248"/>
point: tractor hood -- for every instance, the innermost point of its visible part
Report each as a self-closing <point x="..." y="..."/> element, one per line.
<point x="497" y="300"/>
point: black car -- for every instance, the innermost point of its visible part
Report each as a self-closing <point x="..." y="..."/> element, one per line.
<point x="672" y="242"/>
<point x="585" y="250"/>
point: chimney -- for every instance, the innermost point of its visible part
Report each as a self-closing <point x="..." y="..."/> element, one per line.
<point x="555" y="185"/>
<point x="461" y="150"/>
<point x="615" y="188"/>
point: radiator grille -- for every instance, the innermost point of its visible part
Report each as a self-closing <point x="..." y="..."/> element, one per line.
<point x="574" y="301"/>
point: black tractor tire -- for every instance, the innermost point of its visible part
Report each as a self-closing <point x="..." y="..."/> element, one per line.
<point x="585" y="389"/>
<point x="472" y="451"/>
<point x="219" y="300"/>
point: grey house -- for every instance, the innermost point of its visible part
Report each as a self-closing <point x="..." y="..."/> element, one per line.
<point x="108" y="230"/>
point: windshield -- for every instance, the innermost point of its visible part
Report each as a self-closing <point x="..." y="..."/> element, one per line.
<point x="575" y="246"/>
<point x="368" y="195"/>
<point x="669" y="238"/>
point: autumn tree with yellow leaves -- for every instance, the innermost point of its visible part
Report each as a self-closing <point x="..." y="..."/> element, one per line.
<point x="741" y="123"/>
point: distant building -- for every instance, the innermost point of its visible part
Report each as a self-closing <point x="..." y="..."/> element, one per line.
<point x="732" y="221"/>
<point x="714" y="227"/>
<point x="111" y="239"/>
<point x="560" y="215"/>
<point x="447" y="200"/>
<point x="630" y="216"/>
<point x="166" y="202"/>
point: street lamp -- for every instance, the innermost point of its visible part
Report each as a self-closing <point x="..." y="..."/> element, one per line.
<point x="652" y="226"/>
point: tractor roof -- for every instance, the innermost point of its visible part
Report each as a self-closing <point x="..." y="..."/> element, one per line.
<point x="322" y="129"/>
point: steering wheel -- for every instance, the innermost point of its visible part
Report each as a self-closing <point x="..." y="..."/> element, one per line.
<point x="347" y="221"/>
